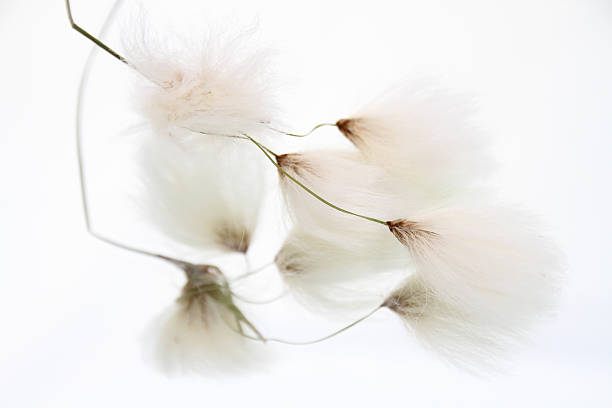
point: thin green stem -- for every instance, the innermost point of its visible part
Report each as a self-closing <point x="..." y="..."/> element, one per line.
<point x="319" y="340"/>
<point x="265" y="151"/>
<point x="99" y="43"/>
<point x="216" y="134"/>
<point x="253" y="272"/>
<point x="320" y="125"/>
<point x="91" y="37"/>
<point x="259" y="302"/>
<point x="79" y="143"/>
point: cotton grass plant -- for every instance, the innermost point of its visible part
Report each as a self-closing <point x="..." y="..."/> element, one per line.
<point x="399" y="222"/>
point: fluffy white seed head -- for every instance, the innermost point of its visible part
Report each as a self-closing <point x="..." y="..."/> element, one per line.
<point x="215" y="85"/>
<point x="206" y="198"/>
<point x="490" y="262"/>
<point x="345" y="179"/>
<point x="424" y="135"/>
<point x="199" y="332"/>
<point x="472" y="339"/>
<point x="331" y="276"/>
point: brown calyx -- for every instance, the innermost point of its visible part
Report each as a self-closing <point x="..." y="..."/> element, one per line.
<point x="292" y="268"/>
<point x="233" y="238"/>
<point x="348" y="129"/>
<point x="409" y="233"/>
<point x="292" y="163"/>
<point x="410" y="300"/>
<point x="202" y="282"/>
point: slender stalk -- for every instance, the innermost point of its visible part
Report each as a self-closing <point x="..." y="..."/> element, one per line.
<point x="91" y="37"/>
<point x="305" y="343"/>
<point x="329" y="336"/>
<point x="267" y="152"/>
<point x="99" y="43"/>
<point x="79" y="142"/>
<point x="260" y="302"/>
<point x="253" y="272"/>
<point x="320" y="125"/>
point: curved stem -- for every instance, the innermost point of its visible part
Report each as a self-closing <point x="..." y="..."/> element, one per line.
<point x="79" y="140"/>
<point x="95" y="40"/>
<point x="320" y="125"/>
<point x="304" y="343"/>
<point x="265" y="151"/>
<point x="259" y="302"/>
<point x="99" y="43"/>
<point x="253" y="272"/>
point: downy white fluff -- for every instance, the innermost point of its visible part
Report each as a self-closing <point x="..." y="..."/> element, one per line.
<point x="344" y="179"/>
<point x="206" y="198"/>
<point x="490" y="268"/>
<point x="199" y="333"/>
<point x="423" y="134"/>
<point x="331" y="277"/>
<point x="469" y="338"/>
<point x="492" y="263"/>
<point x="333" y="261"/>
<point x="216" y="85"/>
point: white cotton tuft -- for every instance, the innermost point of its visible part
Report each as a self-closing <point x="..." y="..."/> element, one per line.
<point x="217" y="85"/>
<point x="424" y="135"/>
<point x="492" y="264"/>
<point x="194" y="340"/>
<point x="331" y="260"/>
<point x="346" y="180"/>
<point x="330" y="276"/>
<point x="472" y="339"/>
<point x="206" y="198"/>
<point x="201" y="331"/>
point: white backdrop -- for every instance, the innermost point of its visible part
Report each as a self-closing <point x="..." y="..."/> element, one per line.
<point x="74" y="311"/>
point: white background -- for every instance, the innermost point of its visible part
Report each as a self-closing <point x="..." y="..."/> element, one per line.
<point x="73" y="311"/>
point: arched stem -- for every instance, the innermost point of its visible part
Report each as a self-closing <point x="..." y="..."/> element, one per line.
<point x="251" y="273"/>
<point x="95" y="40"/>
<point x="99" y="44"/>
<point x="320" y="125"/>
<point x="305" y="343"/>
<point x="79" y="135"/>
<point x="260" y="302"/>
<point x="267" y="152"/>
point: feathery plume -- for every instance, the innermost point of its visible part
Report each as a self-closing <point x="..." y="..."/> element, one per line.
<point x="200" y="332"/>
<point x="213" y="86"/>
<point x="423" y="135"/>
<point x="473" y="339"/>
<point x="331" y="276"/>
<point x="481" y="275"/>
<point x="491" y="260"/>
<point x="206" y="198"/>
<point x="345" y="179"/>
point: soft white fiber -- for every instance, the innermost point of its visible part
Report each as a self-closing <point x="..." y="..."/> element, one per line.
<point x="469" y="338"/>
<point x="191" y="339"/>
<point x="386" y="224"/>
<point x="207" y="198"/>
<point x="335" y="277"/>
<point x="492" y="256"/>
<point x="201" y="331"/>
<point x="494" y="265"/>
<point x="424" y="135"/>
<point x="215" y="84"/>
<point x="346" y="180"/>
<point x="488" y="270"/>
<point x="196" y="337"/>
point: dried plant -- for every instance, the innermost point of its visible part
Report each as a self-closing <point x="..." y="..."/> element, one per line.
<point x="386" y="225"/>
